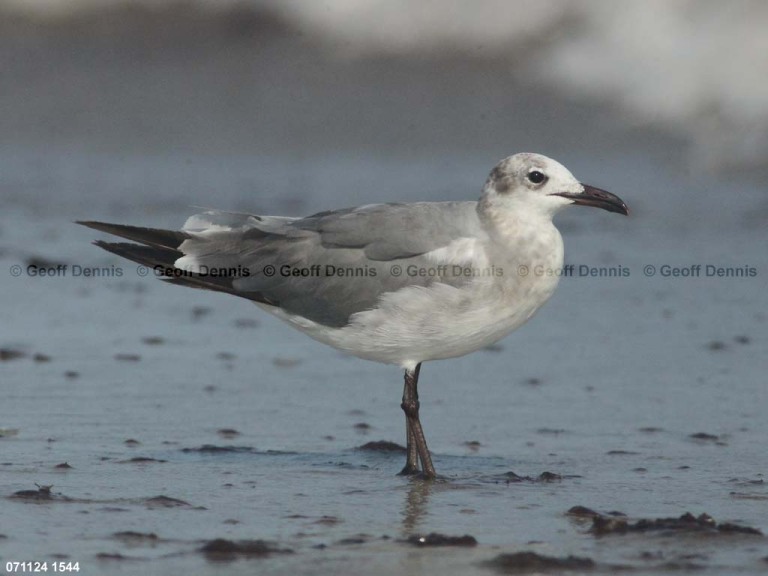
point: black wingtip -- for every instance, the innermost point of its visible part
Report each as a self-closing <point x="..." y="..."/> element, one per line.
<point x="103" y="226"/>
<point x="156" y="237"/>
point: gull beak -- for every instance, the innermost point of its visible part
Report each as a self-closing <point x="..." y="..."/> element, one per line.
<point x="597" y="198"/>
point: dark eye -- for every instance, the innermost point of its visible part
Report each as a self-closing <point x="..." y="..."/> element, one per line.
<point x="536" y="177"/>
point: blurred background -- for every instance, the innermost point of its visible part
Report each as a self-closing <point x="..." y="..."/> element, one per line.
<point x="142" y="111"/>
<point x="276" y="101"/>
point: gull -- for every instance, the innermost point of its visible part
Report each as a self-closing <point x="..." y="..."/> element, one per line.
<point x="395" y="283"/>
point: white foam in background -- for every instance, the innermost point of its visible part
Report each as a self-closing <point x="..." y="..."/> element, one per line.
<point x="696" y="67"/>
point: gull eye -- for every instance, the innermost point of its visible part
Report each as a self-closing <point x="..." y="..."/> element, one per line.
<point x="536" y="177"/>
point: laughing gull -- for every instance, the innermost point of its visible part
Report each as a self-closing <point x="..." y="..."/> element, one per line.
<point x="394" y="283"/>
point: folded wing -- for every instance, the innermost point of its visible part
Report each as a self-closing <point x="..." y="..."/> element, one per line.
<point x="324" y="267"/>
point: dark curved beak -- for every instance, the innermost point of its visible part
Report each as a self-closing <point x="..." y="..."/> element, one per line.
<point x="598" y="198"/>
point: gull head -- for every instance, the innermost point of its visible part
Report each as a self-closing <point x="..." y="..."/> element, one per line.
<point x="539" y="185"/>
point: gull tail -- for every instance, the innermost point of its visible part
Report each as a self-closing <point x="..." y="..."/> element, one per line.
<point x="149" y="256"/>
<point x="159" y="250"/>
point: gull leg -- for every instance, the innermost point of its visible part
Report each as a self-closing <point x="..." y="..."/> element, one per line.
<point x="412" y="455"/>
<point x="416" y="442"/>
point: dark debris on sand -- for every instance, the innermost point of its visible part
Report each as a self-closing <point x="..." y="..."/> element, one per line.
<point x="35" y="261"/>
<point x="132" y="537"/>
<point x="33" y="495"/>
<point x="221" y="550"/>
<point x="7" y="354"/>
<point x="42" y="494"/>
<point x="199" y="312"/>
<point x="213" y="449"/>
<point x="545" y="477"/>
<point x="435" y="539"/>
<point x="112" y="556"/>
<point x="584" y="512"/>
<point x="716" y="346"/>
<point x="687" y="523"/>
<point x="382" y="446"/>
<point x="531" y="562"/>
<point x="328" y="521"/>
<point x="354" y="540"/>
<point x="704" y="437"/>
<point x="472" y="445"/>
<point x="166" y="502"/>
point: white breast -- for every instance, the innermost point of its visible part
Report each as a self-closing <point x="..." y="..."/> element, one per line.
<point x="416" y="323"/>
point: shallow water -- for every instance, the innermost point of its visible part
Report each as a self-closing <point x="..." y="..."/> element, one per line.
<point x="605" y="387"/>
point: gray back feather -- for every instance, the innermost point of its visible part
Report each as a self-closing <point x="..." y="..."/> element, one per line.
<point x="366" y="242"/>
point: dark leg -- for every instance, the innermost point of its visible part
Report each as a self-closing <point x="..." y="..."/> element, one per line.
<point x="412" y="455"/>
<point x="416" y="442"/>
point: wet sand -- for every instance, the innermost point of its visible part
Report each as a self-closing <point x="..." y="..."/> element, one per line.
<point x="148" y="427"/>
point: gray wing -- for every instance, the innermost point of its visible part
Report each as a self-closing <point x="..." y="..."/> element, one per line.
<point x="324" y="267"/>
<point x="388" y="232"/>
